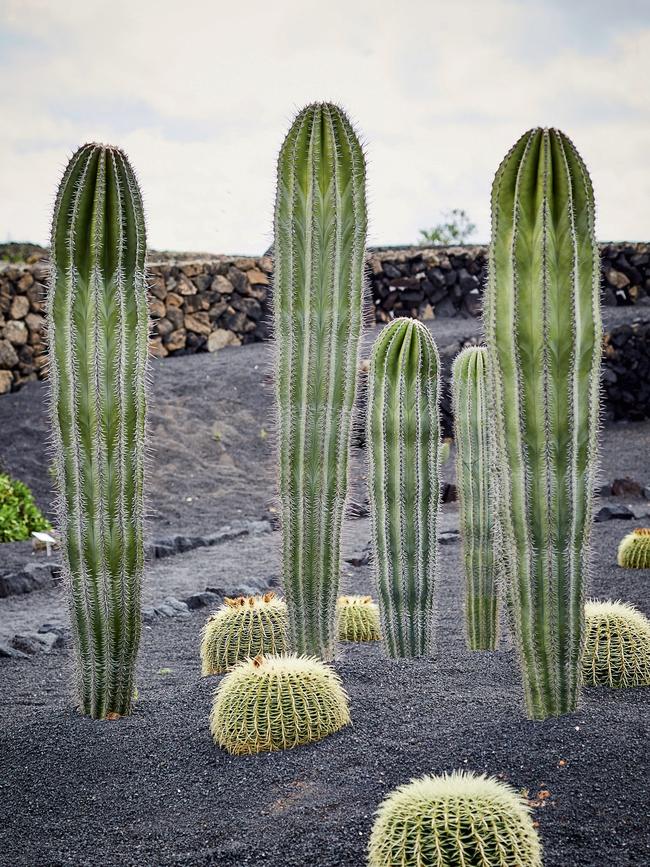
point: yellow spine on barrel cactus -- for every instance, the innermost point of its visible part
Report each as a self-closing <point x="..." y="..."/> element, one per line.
<point x="242" y="628"/>
<point x="358" y="619"/>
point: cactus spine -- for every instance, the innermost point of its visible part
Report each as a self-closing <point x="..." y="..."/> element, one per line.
<point x="320" y="230"/>
<point x="404" y="482"/>
<point x="542" y="321"/>
<point x="474" y="473"/>
<point x="98" y="337"/>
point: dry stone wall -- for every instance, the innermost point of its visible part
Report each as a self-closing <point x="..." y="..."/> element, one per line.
<point x="199" y="306"/>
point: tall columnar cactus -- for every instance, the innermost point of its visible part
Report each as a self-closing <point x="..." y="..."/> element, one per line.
<point x="542" y="321"/>
<point x="475" y="466"/>
<point x="98" y="335"/>
<point x="320" y="230"/>
<point x="404" y="481"/>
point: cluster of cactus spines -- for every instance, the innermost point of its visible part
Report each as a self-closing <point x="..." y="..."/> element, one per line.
<point x="404" y="482"/>
<point x="98" y="343"/>
<point x="634" y="550"/>
<point x="475" y="469"/>
<point x="277" y="702"/>
<point x="617" y="645"/>
<point x="543" y="327"/>
<point x="358" y="619"/>
<point x="320" y="232"/>
<point x="241" y="628"/>
<point x="454" y="819"/>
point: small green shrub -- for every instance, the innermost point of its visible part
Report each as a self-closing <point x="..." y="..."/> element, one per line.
<point x="19" y="514"/>
<point x="634" y="550"/>
<point x="358" y="619"/>
<point x="277" y="702"/>
<point x="455" y="820"/>
<point x="243" y="628"/>
<point x="617" y="645"/>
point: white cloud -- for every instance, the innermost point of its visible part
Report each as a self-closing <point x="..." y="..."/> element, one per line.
<point x="200" y="95"/>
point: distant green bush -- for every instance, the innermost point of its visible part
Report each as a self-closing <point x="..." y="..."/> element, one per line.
<point x="19" y="514"/>
<point x="456" y="229"/>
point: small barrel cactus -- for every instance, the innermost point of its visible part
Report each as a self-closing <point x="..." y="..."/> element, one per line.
<point x="358" y="619"/>
<point x="617" y="645"/>
<point x="243" y="628"/>
<point x="277" y="702"/>
<point x="634" y="550"/>
<point x="456" y="819"/>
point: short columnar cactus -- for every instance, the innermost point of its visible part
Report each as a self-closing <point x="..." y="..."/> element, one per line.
<point x="454" y="820"/>
<point x="320" y="231"/>
<point x="358" y="619"/>
<point x="475" y="470"/>
<point x="404" y="481"/>
<point x="634" y="550"/>
<point x="277" y="702"/>
<point x="543" y="328"/>
<point x="617" y="645"/>
<point x="243" y="627"/>
<point x="98" y="341"/>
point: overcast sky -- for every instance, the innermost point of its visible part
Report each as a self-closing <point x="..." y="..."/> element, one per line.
<point x="201" y="92"/>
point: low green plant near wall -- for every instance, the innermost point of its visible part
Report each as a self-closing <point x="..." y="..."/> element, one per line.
<point x="19" y="514"/>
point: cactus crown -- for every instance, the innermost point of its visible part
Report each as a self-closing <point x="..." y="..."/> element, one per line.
<point x="98" y="340"/>
<point x="457" y="818"/>
<point x="320" y="230"/>
<point x="404" y="481"/>
<point x="543" y="328"/>
<point x="634" y="550"/>
<point x="617" y="645"/>
<point x="277" y="702"/>
<point x="475" y="471"/>
<point x="243" y="627"/>
<point x="358" y="619"/>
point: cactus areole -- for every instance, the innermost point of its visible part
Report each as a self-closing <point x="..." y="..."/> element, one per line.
<point x="543" y="327"/>
<point x="98" y="335"/>
<point x="320" y="231"/>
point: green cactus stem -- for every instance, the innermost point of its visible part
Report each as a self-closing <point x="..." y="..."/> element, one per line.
<point x="475" y="466"/>
<point x="543" y="327"/>
<point x="404" y="482"/>
<point x="98" y="339"/>
<point x="320" y="230"/>
<point x="634" y="550"/>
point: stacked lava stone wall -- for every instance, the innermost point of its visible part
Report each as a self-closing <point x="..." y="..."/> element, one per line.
<point x="199" y="306"/>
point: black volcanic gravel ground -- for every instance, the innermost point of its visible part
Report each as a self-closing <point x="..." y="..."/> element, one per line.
<point x="154" y="790"/>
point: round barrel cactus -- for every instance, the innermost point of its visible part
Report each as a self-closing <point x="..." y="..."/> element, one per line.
<point x="617" y="645"/>
<point x="277" y="702"/>
<point x="455" y="820"/>
<point x="358" y="619"/>
<point x="634" y="550"/>
<point x="243" y="628"/>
